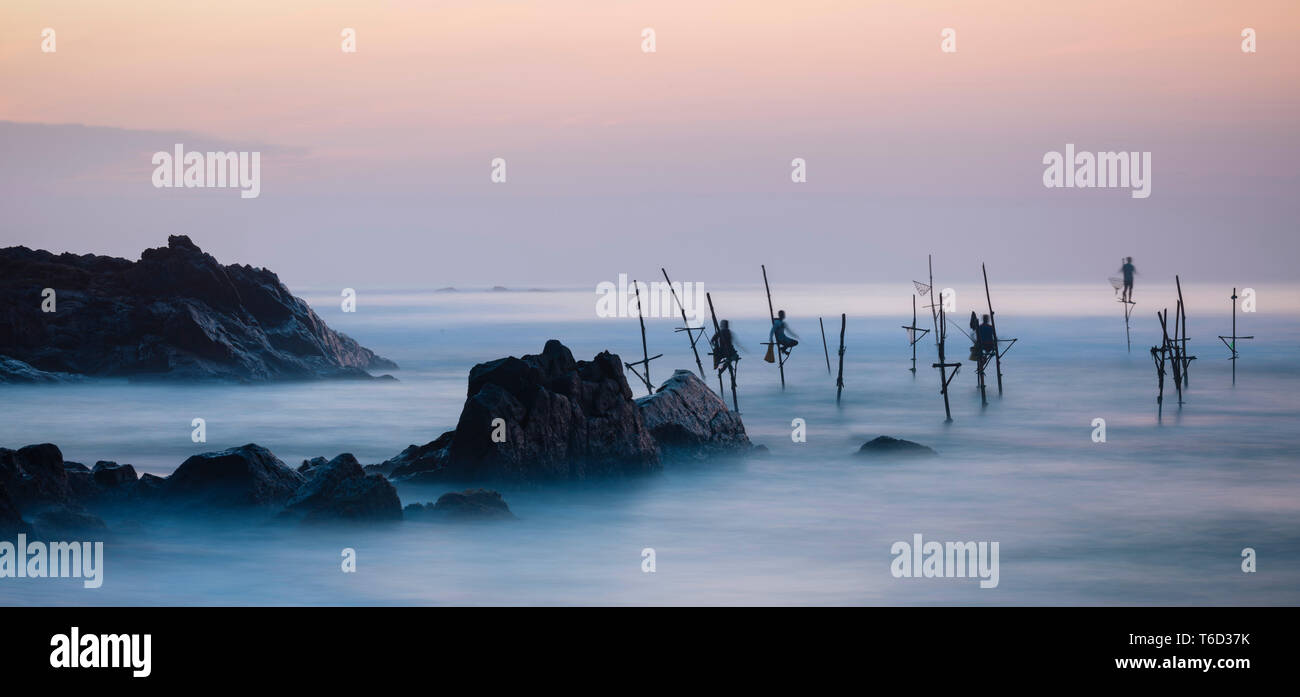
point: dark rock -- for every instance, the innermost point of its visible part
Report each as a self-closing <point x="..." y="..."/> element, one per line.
<point x="885" y="445"/>
<point x="149" y="487"/>
<point x="82" y="487"/>
<point x="416" y="459"/>
<point x="687" y="419"/>
<point x="112" y="475"/>
<point x="14" y="371"/>
<point x="564" y="420"/>
<point x="471" y="504"/>
<point x="176" y="313"/>
<point x="34" y="474"/>
<point x="340" y="489"/>
<point x="64" y="519"/>
<point x="11" y="521"/>
<point x="245" y="476"/>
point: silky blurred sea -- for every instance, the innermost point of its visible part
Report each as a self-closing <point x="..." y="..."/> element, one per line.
<point x="1158" y="514"/>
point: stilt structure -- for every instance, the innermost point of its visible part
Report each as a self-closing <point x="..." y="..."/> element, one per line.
<point x="1231" y="341"/>
<point x="998" y="351"/>
<point x="645" y="352"/>
<point x="724" y="364"/>
<point x="1118" y="283"/>
<point x="839" y="381"/>
<point x="691" y="332"/>
<point x="940" y="321"/>
<point x="914" y="333"/>
<point x="776" y="346"/>
<point x="1182" y="342"/>
<point x="825" y="350"/>
<point x="1160" y="355"/>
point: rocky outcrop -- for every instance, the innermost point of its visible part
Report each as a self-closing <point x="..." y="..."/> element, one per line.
<point x="561" y="419"/>
<point x="34" y="475"/>
<point x="238" y="477"/>
<point x="177" y="313"/>
<point x="687" y="419"/>
<point x="471" y="504"/>
<point x="341" y="490"/>
<point x="885" y="445"/>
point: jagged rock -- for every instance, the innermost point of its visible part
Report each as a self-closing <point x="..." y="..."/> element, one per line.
<point x="687" y="419"/>
<point x="340" y="489"/>
<point x="471" y="504"/>
<point x="177" y="313"/>
<point x="111" y="475"/>
<point x="65" y="519"/>
<point x="34" y="474"/>
<point x="885" y="445"/>
<point x="564" y="419"/>
<point x="245" y="476"/>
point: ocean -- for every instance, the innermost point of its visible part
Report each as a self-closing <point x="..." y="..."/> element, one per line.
<point x="1159" y="513"/>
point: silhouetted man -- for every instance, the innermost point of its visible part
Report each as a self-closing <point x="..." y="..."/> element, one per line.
<point x="1128" y="270"/>
<point x="782" y="335"/>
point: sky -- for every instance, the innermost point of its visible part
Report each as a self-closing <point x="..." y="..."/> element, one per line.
<point x="376" y="164"/>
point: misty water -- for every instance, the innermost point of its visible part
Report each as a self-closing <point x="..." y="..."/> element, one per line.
<point x="1158" y="514"/>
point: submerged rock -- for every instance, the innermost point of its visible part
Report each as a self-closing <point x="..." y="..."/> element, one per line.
<point x="471" y="504"/>
<point x="14" y="371"/>
<point x="177" y="313"/>
<point x="65" y="519"/>
<point x="885" y="445"/>
<point x="245" y="476"/>
<point x="340" y="489"/>
<point x="11" y="520"/>
<point x="686" y="418"/>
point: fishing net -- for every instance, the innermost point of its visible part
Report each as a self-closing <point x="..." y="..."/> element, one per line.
<point x="1116" y="283"/>
<point x="911" y="335"/>
<point x="921" y="288"/>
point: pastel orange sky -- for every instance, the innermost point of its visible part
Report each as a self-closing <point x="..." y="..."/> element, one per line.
<point x="734" y="91"/>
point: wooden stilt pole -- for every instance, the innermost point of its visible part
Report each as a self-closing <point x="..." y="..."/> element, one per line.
<point x="914" y="334"/>
<point x="839" y="381"/>
<point x="993" y="321"/>
<point x="686" y="325"/>
<point x="825" y="350"/>
<point x="1182" y="309"/>
<point x="1158" y="356"/>
<point x="727" y="365"/>
<point x="1232" y="346"/>
<point x="645" y="352"/>
<point x="940" y="320"/>
<point x="776" y="345"/>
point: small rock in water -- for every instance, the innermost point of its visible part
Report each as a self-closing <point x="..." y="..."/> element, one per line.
<point x="471" y="504"/>
<point x="341" y="490"/>
<point x="885" y="445"/>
